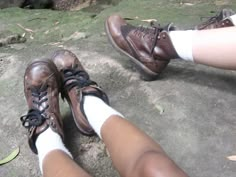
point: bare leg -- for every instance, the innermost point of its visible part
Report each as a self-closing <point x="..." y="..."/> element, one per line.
<point x="134" y="153"/>
<point x="216" y="47"/>
<point x="59" y="164"/>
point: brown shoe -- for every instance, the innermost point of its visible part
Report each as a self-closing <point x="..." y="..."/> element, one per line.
<point x="218" y="21"/>
<point x="77" y="84"/>
<point x="150" y="49"/>
<point x="41" y="86"/>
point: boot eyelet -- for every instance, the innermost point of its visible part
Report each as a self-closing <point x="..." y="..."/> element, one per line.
<point x="53" y="125"/>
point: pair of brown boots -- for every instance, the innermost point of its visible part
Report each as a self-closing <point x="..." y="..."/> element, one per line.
<point x="43" y="81"/>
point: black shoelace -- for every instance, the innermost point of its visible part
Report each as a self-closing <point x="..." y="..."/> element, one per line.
<point x="80" y="79"/>
<point x="35" y="117"/>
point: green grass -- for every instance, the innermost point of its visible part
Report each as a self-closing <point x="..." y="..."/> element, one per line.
<point x="52" y="26"/>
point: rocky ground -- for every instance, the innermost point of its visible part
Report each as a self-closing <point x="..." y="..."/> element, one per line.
<point x="197" y="127"/>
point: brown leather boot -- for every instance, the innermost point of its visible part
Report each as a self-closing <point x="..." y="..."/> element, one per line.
<point x="42" y="84"/>
<point x="218" y="21"/>
<point x="150" y="49"/>
<point x="76" y="85"/>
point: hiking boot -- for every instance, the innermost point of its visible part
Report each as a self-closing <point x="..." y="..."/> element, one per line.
<point x="220" y="20"/>
<point x="41" y="86"/>
<point x="76" y="85"/>
<point x="150" y="49"/>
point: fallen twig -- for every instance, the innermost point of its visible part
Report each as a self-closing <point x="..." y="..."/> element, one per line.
<point x="38" y="18"/>
<point x="30" y="31"/>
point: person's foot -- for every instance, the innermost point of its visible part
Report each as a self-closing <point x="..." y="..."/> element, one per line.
<point x="150" y="49"/>
<point x="76" y="85"/>
<point x="41" y="87"/>
<point x="220" y="20"/>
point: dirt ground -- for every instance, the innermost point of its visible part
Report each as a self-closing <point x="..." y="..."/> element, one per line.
<point x="197" y="127"/>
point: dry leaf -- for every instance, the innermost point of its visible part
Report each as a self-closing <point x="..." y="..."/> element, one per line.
<point x="56" y="23"/>
<point x="188" y="4"/>
<point x="160" y="109"/>
<point x="232" y="158"/>
<point x="149" y="20"/>
<point x="221" y="2"/>
<point x="31" y="36"/>
<point x="76" y="36"/>
<point x="58" y="44"/>
<point x="54" y="43"/>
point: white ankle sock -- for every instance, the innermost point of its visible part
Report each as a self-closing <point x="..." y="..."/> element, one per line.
<point x="47" y="142"/>
<point x="233" y="19"/>
<point x="97" y="112"/>
<point x="182" y="42"/>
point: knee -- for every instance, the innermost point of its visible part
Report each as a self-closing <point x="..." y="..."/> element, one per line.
<point x="154" y="164"/>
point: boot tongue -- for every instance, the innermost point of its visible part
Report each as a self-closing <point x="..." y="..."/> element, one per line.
<point x="157" y="29"/>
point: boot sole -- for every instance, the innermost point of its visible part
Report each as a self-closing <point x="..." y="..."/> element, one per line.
<point x="146" y="74"/>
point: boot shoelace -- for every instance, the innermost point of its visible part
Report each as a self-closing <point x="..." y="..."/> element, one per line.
<point x="36" y="117"/>
<point x="150" y="32"/>
<point x="210" y="20"/>
<point x="217" y="18"/>
<point x="80" y="79"/>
